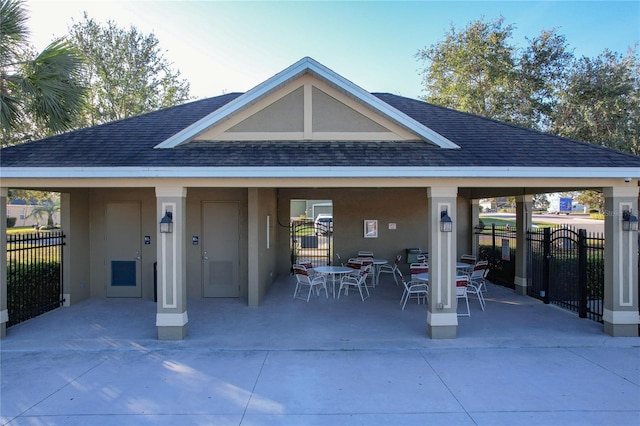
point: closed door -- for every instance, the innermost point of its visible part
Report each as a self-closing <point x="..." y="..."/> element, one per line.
<point x="123" y="271"/>
<point x="220" y="249"/>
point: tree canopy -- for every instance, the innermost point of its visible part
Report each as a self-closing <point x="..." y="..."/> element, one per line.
<point x="40" y="94"/>
<point x="542" y="86"/>
<point x="470" y="70"/>
<point x="126" y="72"/>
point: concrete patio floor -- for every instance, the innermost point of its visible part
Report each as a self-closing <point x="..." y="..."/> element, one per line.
<point x="326" y="362"/>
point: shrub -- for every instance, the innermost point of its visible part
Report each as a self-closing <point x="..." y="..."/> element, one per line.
<point x="11" y="222"/>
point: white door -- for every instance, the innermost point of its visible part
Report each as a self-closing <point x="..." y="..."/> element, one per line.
<point x="220" y="249"/>
<point x="123" y="248"/>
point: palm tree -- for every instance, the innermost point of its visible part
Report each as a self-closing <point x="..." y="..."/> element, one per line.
<point x="40" y="90"/>
<point x="47" y="210"/>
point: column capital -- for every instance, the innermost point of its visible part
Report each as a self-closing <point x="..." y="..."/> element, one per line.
<point x="621" y="191"/>
<point x="526" y="198"/>
<point x="171" y="191"/>
<point x="442" y="191"/>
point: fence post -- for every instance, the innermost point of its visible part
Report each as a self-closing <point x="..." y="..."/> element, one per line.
<point x="545" y="265"/>
<point x="493" y="237"/>
<point x="293" y="246"/>
<point x="582" y="273"/>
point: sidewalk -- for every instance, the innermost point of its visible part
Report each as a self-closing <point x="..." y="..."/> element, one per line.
<point x="328" y="362"/>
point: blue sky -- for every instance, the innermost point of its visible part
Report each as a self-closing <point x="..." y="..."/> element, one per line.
<point x="232" y="46"/>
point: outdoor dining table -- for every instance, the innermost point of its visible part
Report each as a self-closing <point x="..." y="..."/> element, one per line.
<point x="465" y="267"/>
<point x="424" y="276"/>
<point x="376" y="266"/>
<point x="333" y="271"/>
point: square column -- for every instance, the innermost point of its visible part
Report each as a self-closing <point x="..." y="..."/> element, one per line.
<point x="253" y="244"/>
<point x="620" y="313"/>
<point x="442" y="319"/>
<point x="475" y="222"/>
<point x="524" y="210"/>
<point x="171" y="317"/>
<point x="4" y="312"/>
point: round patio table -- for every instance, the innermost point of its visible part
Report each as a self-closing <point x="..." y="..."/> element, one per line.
<point x="425" y="276"/>
<point x="465" y="268"/>
<point x="333" y="271"/>
<point x="376" y="267"/>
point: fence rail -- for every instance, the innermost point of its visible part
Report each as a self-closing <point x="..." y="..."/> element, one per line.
<point x="566" y="268"/>
<point x="497" y="245"/>
<point x="34" y="274"/>
<point x="565" y="265"/>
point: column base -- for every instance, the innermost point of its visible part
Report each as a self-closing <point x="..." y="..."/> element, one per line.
<point x="442" y="331"/>
<point x="442" y="325"/>
<point x="172" y="325"/>
<point x="621" y="323"/>
<point x="621" y="330"/>
<point x="520" y="285"/>
<point x="4" y="319"/>
<point x="172" y="332"/>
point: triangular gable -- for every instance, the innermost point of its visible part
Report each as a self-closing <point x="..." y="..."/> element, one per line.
<point x="306" y="101"/>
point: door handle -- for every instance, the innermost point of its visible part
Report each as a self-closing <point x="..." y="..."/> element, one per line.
<point x="138" y="255"/>
<point x="205" y="257"/>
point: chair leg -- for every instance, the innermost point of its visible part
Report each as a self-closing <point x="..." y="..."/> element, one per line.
<point x="481" y="299"/>
<point x="468" y="314"/>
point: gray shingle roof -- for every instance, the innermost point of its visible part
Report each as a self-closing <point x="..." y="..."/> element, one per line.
<point x="484" y="143"/>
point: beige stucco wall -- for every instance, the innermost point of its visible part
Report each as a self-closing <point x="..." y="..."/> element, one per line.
<point x="74" y="208"/>
<point x="404" y="207"/>
<point x="266" y="255"/>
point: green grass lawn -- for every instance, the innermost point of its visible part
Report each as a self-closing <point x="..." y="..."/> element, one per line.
<point x="488" y="221"/>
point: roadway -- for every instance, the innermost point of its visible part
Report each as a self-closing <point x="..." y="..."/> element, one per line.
<point x="579" y="221"/>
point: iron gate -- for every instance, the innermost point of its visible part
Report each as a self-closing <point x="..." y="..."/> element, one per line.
<point x="34" y="274"/>
<point x="566" y="268"/>
<point x="311" y="241"/>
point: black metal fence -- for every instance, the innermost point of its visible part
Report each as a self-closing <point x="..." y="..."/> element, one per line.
<point x="566" y="268"/>
<point x="34" y="274"/>
<point x="497" y="245"/>
<point x="311" y="241"/>
<point x="565" y="265"/>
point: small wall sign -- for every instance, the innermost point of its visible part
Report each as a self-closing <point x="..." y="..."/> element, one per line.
<point x="195" y="240"/>
<point x="392" y="226"/>
<point x="147" y="240"/>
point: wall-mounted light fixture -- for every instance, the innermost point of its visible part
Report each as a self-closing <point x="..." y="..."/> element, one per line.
<point x="629" y="221"/>
<point x="166" y="223"/>
<point x="446" y="224"/>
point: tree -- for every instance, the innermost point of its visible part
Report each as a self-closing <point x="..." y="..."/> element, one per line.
<point x="39" y="94"/>
<point x="32" y="197"/>
<point x="127" y="73"/>
<point x="601" y="102"/>
<point x="592" y="199"/>
<point x="471" y="70"/>
<point x="539" y="76"/>
<point x="47" y="210"/>
<point x="540" y="202"/>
